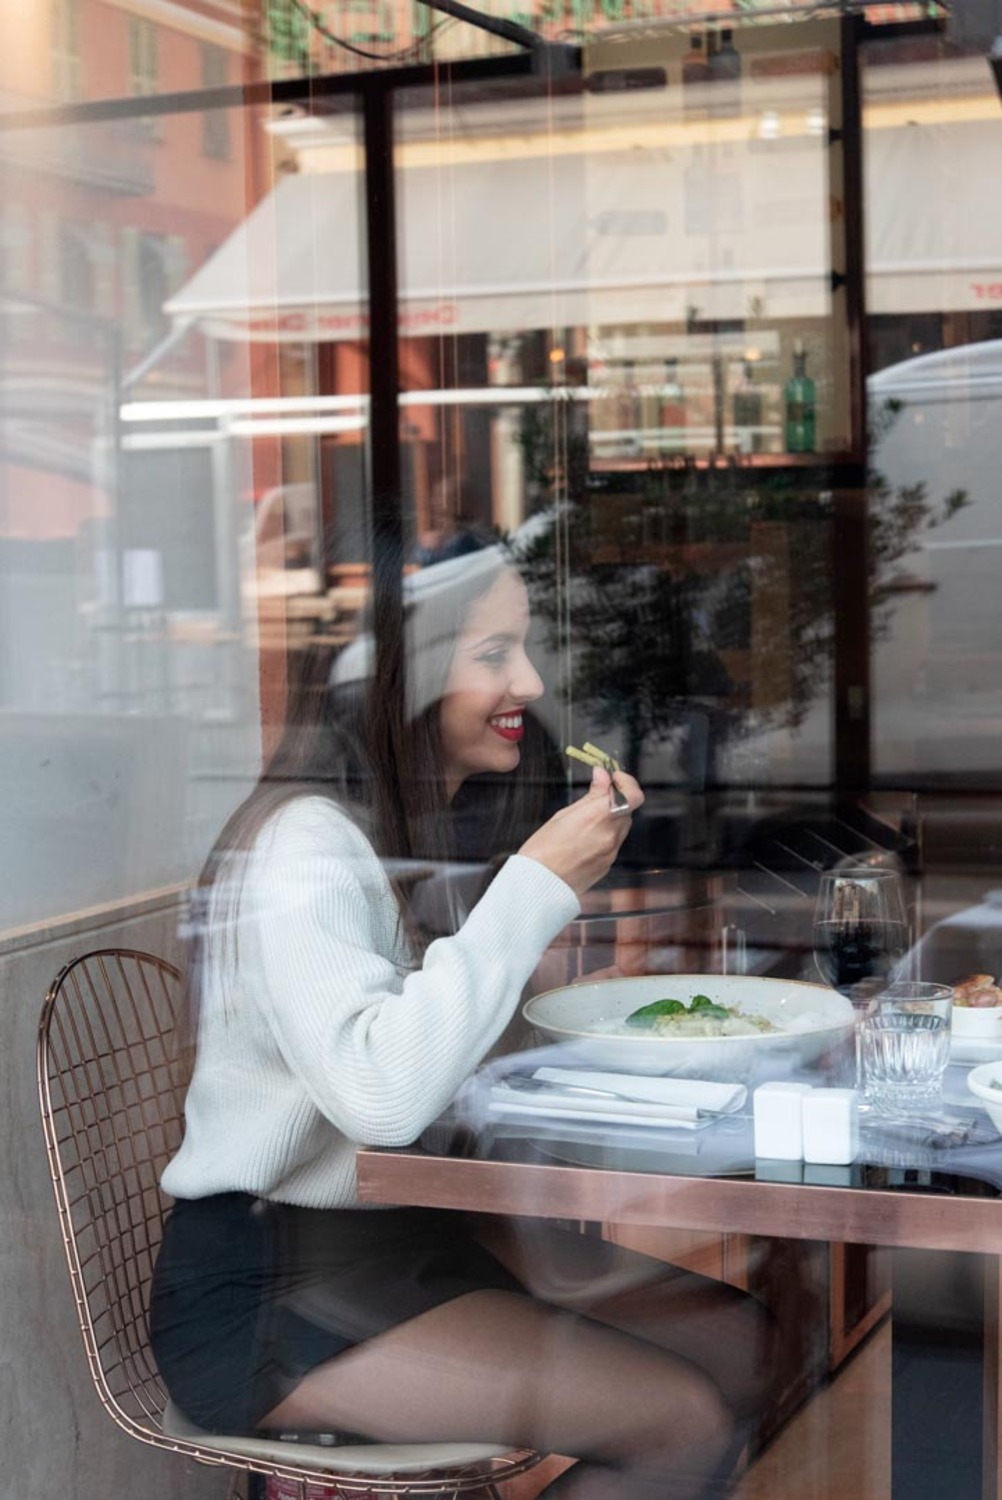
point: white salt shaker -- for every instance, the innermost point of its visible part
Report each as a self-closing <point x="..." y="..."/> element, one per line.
<point x="831" y="1126"/>
<point x="778" y="1114"/>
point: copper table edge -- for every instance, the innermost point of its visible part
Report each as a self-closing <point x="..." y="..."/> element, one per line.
<point x="866" y="1216"/>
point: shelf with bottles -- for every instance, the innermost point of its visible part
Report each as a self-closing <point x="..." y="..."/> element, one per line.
<point x="738" y="395"/>
<point x="825" y="465"/>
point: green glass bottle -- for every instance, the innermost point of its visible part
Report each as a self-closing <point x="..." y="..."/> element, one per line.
<point x="798" y="400"/>
<point x="747" y="408"/>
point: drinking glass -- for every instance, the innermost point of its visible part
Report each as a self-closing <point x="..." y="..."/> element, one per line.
<point x="860" y="933"/>
<point x="905" y="1048"/>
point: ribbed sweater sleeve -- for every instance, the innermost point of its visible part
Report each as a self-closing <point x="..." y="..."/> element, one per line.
<point x="316" y="1033"/>
<point x="380" y="1053"/>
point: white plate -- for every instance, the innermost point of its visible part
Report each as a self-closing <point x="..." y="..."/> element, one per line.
<point x="586" y="1017"/>
<point x="974" y="1049"/>
<point x="983" y="1022"/>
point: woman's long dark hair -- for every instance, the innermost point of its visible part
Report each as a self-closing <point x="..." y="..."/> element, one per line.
<point x="371" y="743"/>
<point x="369" y="739"/>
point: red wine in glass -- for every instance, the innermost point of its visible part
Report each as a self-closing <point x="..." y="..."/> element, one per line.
<point x="860" y="927"/>
<point x="847" y="952"/>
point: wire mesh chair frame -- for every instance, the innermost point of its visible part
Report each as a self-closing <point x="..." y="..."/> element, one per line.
<point x="112" y="1118"/>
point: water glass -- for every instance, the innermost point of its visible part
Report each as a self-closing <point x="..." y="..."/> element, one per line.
<point x="905" y="1047"/>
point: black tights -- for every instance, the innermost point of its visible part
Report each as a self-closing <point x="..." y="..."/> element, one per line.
<point x="650" y="1377"/>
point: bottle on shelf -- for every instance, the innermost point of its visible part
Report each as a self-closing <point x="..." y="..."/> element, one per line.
<point x="672" y="413"/>
<point x="602" y="406"/>
<point x="627" y="411"/>
<point x="724" y="64"/>
<point x="650" y="404"/>
<point x="799" y="405"/>
<point x="746" y="405"/>
<point x="725" y="60"/>
<point x="695" y="71"/>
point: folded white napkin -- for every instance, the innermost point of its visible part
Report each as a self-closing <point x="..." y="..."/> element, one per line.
<point x="635" y="1099"/>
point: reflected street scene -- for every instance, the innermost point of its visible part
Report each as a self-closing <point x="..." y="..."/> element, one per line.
<point x="500" y="709"/>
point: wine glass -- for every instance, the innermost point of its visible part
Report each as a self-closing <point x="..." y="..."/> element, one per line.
<point x="860" y="933"/>
<point x="860" y="928"/>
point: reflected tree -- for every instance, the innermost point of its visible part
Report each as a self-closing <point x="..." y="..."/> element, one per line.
<point x="685" y="597"/>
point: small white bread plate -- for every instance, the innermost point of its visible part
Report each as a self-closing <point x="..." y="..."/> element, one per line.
<point x="980" y="1081"/>
<point x="974" y="1049"/>
<point x="982" y="1021"/>
<point x="590" y="1018"/>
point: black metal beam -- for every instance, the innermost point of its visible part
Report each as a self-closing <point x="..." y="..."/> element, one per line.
<point x="384" y="371"/>
<point x="850" y="530"/>
<point x="854" y="230"/>
<point x="509" y="31"/>
<point x="308" y="90"/>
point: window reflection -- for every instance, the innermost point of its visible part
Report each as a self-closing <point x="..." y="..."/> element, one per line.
<point x="626" y="347"/>
<point x="146" y="461"/>
<point x="933" y="389"/>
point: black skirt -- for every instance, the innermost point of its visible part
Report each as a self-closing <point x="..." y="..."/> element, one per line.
<point x="250" y="1295"/>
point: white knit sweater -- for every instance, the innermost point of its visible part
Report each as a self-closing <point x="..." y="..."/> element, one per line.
<point x="314" y="1033"/>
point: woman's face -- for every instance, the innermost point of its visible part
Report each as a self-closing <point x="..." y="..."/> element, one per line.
<point x="490" y="681"/>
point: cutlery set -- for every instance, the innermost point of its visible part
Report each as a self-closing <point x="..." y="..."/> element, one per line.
<point x="693" y="1104"/>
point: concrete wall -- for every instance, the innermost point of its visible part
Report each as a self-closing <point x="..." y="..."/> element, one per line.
<point x="56" y="1441"/>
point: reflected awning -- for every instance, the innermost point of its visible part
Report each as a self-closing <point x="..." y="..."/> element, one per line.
<point x="528" y="243"/>
<point x="934" y="217"/>
<point x="733" y="231"/>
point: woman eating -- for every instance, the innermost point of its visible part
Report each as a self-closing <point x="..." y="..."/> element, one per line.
<point x="325" y="1021"/>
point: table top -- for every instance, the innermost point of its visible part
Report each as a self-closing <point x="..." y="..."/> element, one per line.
<point x="898" y="1192"/>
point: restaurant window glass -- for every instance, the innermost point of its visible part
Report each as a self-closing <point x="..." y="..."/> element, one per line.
<point x="611" y="303"/>
<point x="163" y="543"/>
<point x="935" y="387"/>
<point x="629" y="331"/>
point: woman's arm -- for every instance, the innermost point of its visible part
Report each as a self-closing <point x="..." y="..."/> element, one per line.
<point x="378" y="1053"/>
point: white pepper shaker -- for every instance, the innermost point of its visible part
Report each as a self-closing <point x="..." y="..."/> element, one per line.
<point x="831" y="1126"/>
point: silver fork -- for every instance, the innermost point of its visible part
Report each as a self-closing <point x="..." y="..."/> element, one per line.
<point x="618" y="800"/>
<point x="928" y="1130"/>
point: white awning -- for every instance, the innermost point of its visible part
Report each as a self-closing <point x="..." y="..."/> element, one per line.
<point x="735" y="231"/>
<point x="934" y="217"/>
<point x="529" y="243"/>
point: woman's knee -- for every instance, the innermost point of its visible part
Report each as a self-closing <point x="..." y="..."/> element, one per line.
<point x="704" y="1421"/>
<point x="682" y="1423"/>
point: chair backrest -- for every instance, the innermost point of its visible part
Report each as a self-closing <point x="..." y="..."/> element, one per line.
<point x="112" y="1118"/>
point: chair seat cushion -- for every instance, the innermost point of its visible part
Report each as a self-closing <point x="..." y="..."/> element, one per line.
<point x="360" y="1458"/>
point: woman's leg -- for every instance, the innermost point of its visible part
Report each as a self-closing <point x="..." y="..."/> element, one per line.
<point x="495" y="1366"/>
<point x="722" y="1331"/>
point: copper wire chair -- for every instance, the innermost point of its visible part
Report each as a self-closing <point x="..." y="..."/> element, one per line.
<point x="112" y="1118"/>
